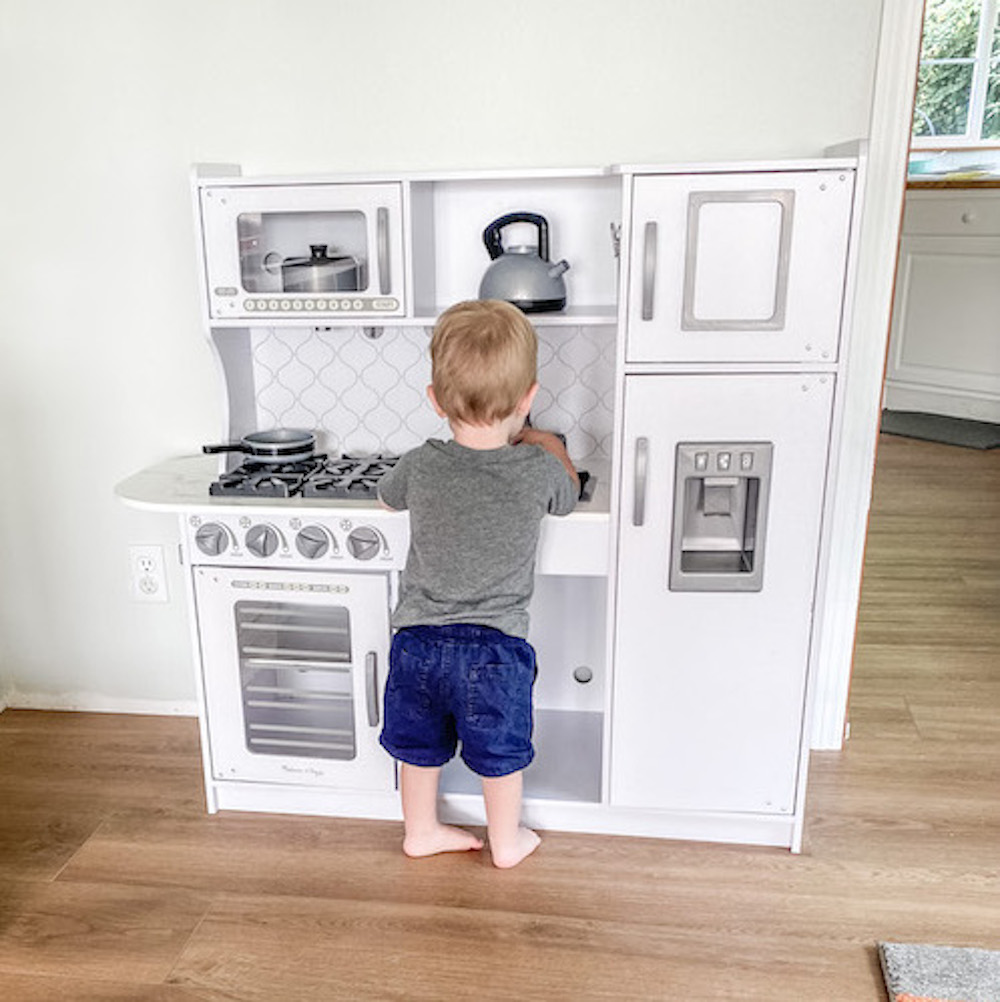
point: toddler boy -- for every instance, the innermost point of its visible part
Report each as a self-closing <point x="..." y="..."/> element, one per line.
<point x="460" y="669"/>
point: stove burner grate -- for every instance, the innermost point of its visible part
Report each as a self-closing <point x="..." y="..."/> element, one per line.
<point x="346" y="477"/>
<point x="349" y="477"/>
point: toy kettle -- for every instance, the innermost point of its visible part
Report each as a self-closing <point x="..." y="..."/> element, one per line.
<point x="523" y="275"/>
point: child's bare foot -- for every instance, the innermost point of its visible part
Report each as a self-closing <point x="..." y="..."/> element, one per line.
<point x="442" y="838"/>
<point x="524" y="844"/>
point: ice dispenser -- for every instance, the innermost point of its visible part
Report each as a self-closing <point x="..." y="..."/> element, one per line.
<point x="720" y="514"/>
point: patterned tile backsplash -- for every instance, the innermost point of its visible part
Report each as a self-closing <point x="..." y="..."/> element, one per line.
<point x="366" y="395"/>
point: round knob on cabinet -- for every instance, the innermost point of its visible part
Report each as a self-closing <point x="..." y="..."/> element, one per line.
<point x="312" y="542"/>
<point x="364" y="542"/>
<point x="968" y="217"/>
<point x="262" y="540"/>
<point x="212" y="539"/>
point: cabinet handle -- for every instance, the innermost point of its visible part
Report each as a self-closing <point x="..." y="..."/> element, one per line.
<point x="641" y="473"/>
<point x="382" y="234"/>
<point x="371" y="687"/>
<point x="648" y="270"/>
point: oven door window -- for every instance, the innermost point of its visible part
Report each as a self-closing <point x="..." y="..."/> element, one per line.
<point x="296" y="679"/>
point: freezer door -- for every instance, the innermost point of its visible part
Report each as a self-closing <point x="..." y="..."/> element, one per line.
<point x="709" y="685"/>
<point x="738" y="267"/>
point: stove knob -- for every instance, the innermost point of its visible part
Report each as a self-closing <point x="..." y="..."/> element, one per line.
<point x="262" y="540"/>
<point x="212" y="539"/>
<point x="312" y="542"/>
<point x="364" y="542"/>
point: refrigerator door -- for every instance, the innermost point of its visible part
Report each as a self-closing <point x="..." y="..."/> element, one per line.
<point x="709" y="685"/>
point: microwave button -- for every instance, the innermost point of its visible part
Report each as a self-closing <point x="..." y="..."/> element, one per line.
<point x="384" y="304"/>
<point x="249" y="305"/>
<point x="272" y="304"/>
<point x="334" y="304"/>
<point x="296" y="304"/>
<point x="358" y="304"/>
<point x="309" y="305"/>
<point x="286" y="304"/>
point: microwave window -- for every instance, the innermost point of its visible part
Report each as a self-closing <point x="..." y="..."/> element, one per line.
<point x="306" y="252"/>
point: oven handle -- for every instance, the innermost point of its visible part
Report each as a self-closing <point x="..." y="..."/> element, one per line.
<point x="371" y="687"/>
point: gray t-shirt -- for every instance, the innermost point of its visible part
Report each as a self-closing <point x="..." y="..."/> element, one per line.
<point x="475" y="516"/>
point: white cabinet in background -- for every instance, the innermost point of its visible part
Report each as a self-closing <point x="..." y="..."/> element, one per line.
<point x="944" y="346"/>
<point x="738" y="267"/>
<point x="709" y="685"/>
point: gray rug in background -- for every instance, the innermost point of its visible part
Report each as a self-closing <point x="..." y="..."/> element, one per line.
<point x="937" y="428"/>
<point x="919" y="973"/>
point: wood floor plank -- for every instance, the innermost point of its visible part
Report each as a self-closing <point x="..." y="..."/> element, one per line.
<point x="305" y="949"/>
<point x="38" y="840"/>
<point x="44" y="988"/>
<point x="99" y="761"/>
<point x="99" y="931"/>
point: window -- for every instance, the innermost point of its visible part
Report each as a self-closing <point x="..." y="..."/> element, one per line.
<point x="958" y="85"/>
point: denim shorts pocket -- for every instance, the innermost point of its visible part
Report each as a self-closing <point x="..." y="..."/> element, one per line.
<point x="499" y="696"/>
<point x="408" y="686"/>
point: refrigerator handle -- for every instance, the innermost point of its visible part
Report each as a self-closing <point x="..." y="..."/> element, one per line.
<point x="382" y="226"/>
<point x="641" y="473"/>
<point x="648" y="270"/>
<point x="371" y="687"/>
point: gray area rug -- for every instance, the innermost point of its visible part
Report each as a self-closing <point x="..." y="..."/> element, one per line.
<point x="937" y="428"/>
<point x="916" y="972"/>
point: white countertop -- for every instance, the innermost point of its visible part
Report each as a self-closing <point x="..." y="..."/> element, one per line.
<point x="571" y="544"/>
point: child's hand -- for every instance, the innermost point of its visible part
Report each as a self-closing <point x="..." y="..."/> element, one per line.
<point x="550" y="442"/>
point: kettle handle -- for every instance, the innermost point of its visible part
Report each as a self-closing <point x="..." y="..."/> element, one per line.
<point x="491" y="235"/>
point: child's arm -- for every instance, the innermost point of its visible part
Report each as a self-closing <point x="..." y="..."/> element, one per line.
<point x="550" y="442"/>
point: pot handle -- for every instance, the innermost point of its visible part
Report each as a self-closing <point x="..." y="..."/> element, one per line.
<point x="491" y="235"/>
<point x="225" y="447"/>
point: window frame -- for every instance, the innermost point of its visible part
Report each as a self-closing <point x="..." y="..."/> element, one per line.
<point x="972" y="138"/>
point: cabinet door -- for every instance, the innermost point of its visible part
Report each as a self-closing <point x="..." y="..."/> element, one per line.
<point x="709" y="687"/>
<point x="293" y="665"/>
<point x="944" y="353"/>
<point x="738" y="267"/>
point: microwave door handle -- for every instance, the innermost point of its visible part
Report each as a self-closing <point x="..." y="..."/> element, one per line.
<point x="382" y="235"/>
<point x="371" y="687"/>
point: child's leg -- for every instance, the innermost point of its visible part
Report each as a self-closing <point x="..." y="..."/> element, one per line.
<point x="510" y="841"/>
<point x="424" y="834"/>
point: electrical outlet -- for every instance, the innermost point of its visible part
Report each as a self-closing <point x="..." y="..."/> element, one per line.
<point x="148" y="574"/>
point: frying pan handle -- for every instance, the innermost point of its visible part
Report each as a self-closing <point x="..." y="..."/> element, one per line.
<point x="225" y="447"/>
<point x="491" y="235"/>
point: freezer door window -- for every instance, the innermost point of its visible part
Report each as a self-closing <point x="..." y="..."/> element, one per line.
<point x="738" y="267"/>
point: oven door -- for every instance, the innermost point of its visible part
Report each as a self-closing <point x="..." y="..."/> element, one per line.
<point x="293" y="665"/>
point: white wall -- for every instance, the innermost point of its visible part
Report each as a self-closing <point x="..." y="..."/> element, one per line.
<point x="103" y="367"/>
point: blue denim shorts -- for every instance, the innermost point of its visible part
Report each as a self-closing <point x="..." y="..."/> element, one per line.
<point x="460" y="683"/>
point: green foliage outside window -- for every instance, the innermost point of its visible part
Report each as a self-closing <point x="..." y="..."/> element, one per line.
<point x="947" y="80"/>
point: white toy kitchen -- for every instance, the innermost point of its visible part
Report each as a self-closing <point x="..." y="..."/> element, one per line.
<point x="693" y="371"/>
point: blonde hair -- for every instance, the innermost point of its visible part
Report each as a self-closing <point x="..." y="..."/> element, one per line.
<point x="484" y="359"/>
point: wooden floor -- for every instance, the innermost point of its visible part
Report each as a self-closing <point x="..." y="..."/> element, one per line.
<point x="114" y="884"/>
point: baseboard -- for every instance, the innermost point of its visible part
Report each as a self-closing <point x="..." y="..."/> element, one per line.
<point x="93" y="702"/>
<point x="939" y="400"/>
